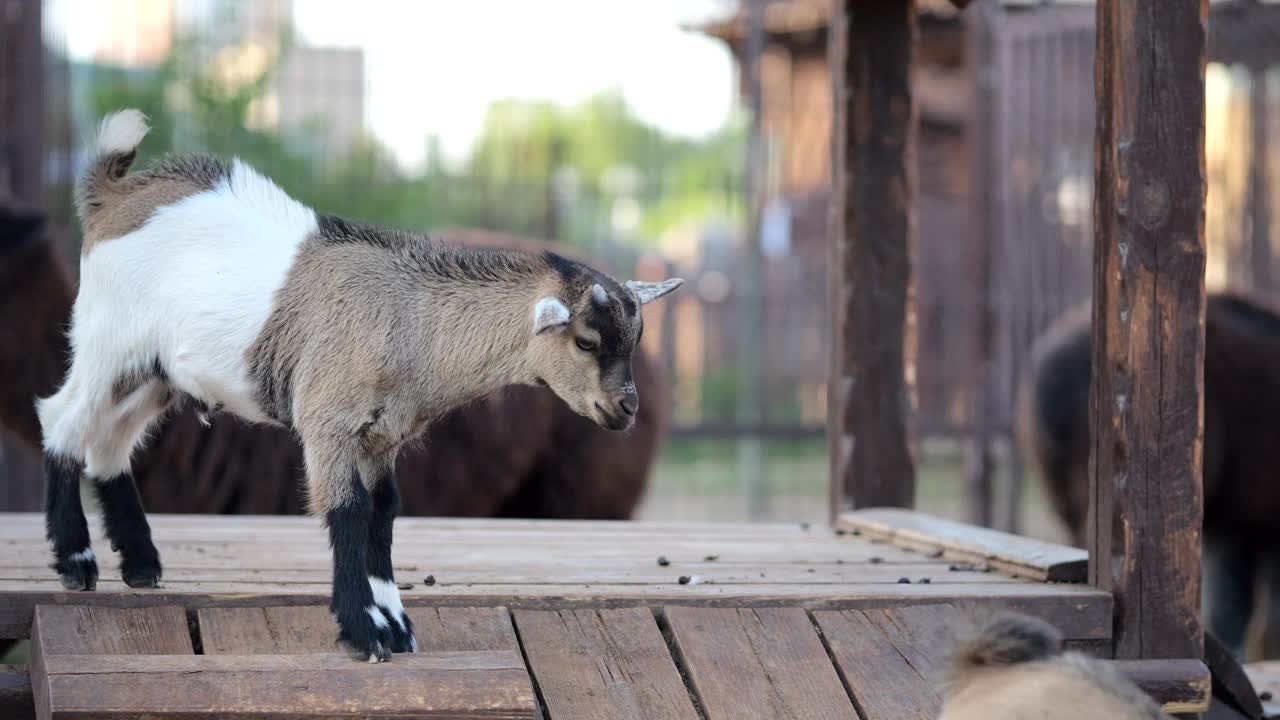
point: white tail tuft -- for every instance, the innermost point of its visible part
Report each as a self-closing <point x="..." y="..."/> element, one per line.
<point x="121" y="132"/>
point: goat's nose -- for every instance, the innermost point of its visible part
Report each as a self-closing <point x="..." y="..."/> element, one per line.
<point x="629" y="403"/>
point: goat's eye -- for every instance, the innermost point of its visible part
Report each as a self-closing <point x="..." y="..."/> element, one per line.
<point x="586" y="345"/>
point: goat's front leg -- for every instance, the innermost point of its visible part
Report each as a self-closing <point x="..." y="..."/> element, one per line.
<point x="338" y="493"/>
<point x="386" y="504"/>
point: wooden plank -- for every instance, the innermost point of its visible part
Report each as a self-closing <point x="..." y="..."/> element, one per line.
<point x="1146" y="401"/>
<point x="1265" y="677"/>
<point x="757" y="663"/>
<point x="16" y="701"/>
<point x="1022" y="556"/>
<point x="1082" y="613"/>
<point x="87" y="630"/>
<point x="84" y="631"/>
<point x="426" y="685"/>
<point x="879" y="671"/>
<point x="599" y="664"/>
<point x="1180" y="686"/>
<point x="648" y="574"/>
<point x="308" y="629"/>
<point x="870" y="273"/>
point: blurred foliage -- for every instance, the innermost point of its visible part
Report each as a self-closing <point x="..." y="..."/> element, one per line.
<point x="584" y="172"/>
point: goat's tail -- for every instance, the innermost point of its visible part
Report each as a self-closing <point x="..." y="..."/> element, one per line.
<point x="1007" y="640"/>
<point x="111" y="156"/>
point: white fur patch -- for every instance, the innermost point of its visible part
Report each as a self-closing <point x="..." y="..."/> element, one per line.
<point x="599" y="295"/>
<point x="85" y="555"/>
<point x="387" y="595"/>
<point x="121" y="132"/>
<point x="378" y="618"/>
<point x="548" y="313"/>
<point x="192" y="288"/>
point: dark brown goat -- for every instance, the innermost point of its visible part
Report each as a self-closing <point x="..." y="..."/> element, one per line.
<point x="521" y="453"/>
<point x="1242" y="423"/>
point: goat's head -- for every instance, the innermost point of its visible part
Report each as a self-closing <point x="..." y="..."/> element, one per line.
<point x="583" y="339"/>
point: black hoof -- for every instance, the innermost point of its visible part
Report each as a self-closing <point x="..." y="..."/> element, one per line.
<point x="402" y="638"/>
<point x="141" y="569"/>
<point x="142" y="578"/>
<point x="368" y="641"/>
<point x="78" y="572"/>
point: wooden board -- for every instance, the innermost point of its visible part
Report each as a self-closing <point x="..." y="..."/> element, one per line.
<point x="423" y="685"/>
<point x="79" y="631"/>
<point x="601" y="664"/>
<point x="757" y="663"/>
<point x="108" y="662"/>
<point x="1180" y="686"/>
<point x="1082" y="613"/>
<point x="891" y="661"/>
<point x="310" y="629"/>
<point x="1265" y="677"/>
<point x="1021" y="556"/>
<point x="250" y="561"/>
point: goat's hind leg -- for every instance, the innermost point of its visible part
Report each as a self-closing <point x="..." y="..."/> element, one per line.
<point x="381" y="480"/>
<point x="108" y="465"/>
<point x="64" y="417"/>
<point x="339" y="495"/>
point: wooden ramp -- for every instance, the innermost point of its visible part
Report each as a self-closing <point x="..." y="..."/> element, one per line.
<point x="559" y="620"/>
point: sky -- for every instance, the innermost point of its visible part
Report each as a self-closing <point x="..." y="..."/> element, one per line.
<point x="433" y="66"/>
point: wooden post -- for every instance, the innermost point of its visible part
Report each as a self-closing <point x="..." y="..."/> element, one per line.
<point x="749" y="290"/>
<point x="1260" y="257"/>
<point x="1146" y="404"/>
<point x="872" y="376"/>
<point x="979" y="462"/>
<point x="22" y="122"/>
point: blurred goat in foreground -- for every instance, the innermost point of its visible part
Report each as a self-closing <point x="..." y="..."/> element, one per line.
<point x="1015" y="669"/>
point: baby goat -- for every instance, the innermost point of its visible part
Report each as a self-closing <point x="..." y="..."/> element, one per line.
<point x="204" y="280"/>
<point x="1015" y="669"/>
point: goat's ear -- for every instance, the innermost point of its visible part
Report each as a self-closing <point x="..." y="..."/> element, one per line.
<point x="650" y="291"/>
<point x="550" y="314"/>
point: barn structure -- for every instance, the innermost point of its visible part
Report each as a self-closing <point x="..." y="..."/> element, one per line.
<point x="598" y="620"/>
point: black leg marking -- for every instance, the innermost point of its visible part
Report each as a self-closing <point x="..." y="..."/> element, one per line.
<point x="386" y="505"/>
<point x="130" y="534"/>
<point x="361" y="624"/>
<point x="65" y="525"/>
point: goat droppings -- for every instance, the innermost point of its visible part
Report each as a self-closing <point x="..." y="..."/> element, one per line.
<point x="663" y="561"/>
<point x="690" y="580"/>
<point x="429" y="580"/>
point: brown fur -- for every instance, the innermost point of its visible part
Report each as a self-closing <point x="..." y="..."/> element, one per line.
<point x="1014" y="669"/>
<point x="34" y="307"/>
<point x="518" y="453"/>
<point x="112" y="206"/>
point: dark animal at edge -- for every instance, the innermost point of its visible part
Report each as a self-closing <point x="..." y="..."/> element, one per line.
<point x="1241" y="462"/>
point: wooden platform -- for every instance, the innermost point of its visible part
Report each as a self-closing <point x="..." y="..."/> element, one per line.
<point x="566" y="619"/>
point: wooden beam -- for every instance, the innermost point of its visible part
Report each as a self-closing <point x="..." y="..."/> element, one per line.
<point x="1146" y="402"/>
<point x="1180" y="686"/>
<point x="1016" y="555"/>
<point x="872" y="377"/>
